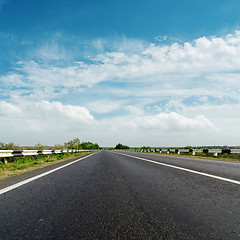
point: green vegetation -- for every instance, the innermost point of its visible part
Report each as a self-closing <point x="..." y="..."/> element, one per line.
<point x="120" y="146"/>
<point x="18" y="165"/>
<point x="72" y="144"/>
<point x="9" y="146"/>
<point x="221" y="157"/>
<point x="146" y="148"/>
<point x="188" y="147"/>
<point x="76" y="144"/>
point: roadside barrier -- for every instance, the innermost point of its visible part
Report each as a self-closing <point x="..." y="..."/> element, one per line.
<point x="215" y="152"/>
<point x="4" y="154"/>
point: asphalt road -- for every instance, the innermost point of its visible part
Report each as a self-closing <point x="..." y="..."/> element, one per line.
<point x="113" y="196"/>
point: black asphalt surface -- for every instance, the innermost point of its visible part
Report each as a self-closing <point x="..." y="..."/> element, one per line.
<point x="111" y="196"/>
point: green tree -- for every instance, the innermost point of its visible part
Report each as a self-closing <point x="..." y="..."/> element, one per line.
<point x="121" y="146"/>
<point x="89" y="145"/>
<point x="145" y="148"/>
<point x="39" y="146"/>
<point x="73" y="144"/>
<point x="11" y="146"/>
<point x="76" y="144"/>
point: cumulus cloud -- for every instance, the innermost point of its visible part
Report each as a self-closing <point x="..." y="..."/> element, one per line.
<point x="8" y="109"/>
<point x="174" y="121"/>
<point x="57" y="109"/>
<point x="159" y="129"/>
<point x="46" y="122"/>
<point x="44" y="113"/>
<point x="43" y="121"/>
<point x="181" y="81"/>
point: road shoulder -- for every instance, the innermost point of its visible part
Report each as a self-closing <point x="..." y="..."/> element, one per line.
<point x="34" y="172"/>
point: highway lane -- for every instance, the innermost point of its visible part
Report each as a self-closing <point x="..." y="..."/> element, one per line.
<point x="223" y="169"/>
<point x="111" y="196"/>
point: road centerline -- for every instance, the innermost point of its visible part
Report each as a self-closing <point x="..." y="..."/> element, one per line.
<point x="183" y="169"/>
<point x="19" y="184"/>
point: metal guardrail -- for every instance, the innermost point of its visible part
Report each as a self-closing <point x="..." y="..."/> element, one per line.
<point x="192" y="151"/>
<point x="20" y="153"/>
<point x="235" y="150"/>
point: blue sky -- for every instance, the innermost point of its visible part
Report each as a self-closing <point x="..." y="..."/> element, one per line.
<point x="159" y="73"/>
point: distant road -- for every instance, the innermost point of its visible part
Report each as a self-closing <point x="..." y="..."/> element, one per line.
<point x="116" y="195"/>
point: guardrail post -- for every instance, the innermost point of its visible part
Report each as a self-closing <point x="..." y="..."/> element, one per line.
<point x="228" y="151"/>
<point x="40" y="152"/>
<point x="17" y="153"/>
<point x="205" y="150"/>
<point x="4" y="161"/>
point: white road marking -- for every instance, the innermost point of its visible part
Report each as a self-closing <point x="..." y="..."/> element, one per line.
<point x="184" y="169"/>
<point x="7" y="189"/>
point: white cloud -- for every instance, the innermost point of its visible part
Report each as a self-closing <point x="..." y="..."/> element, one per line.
<point x="134" y="110"/>
<point x="193" y="65"/>
<point x="161" y="38"/>
<point x="44" y="114"/>
<point x="157" y="130"/>
<point x="14" y="80"/>
<point x="44" y="121"/>
<point x="50" y="51"/>
<point x="174" y="122"/>
<point x="54" y="122"/>
<point x="103" y="106"/>
<point x="8" y="109"/>
<point x="119" y="44"/>
<point x="60" y="111"/>
<point x="192" y="86"/>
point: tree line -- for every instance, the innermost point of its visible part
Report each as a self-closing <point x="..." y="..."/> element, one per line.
<point x="72" y="144"/>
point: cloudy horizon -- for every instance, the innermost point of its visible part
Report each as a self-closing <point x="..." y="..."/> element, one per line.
<point x="158" y="89"/>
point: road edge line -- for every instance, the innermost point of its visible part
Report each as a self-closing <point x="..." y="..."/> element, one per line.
<point x="184" y="169"/>
<point x="19" y="184"/>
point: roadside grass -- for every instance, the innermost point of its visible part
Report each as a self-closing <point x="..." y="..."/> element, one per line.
<point x="233" y="157"/>
<point x="19" y="165"/>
